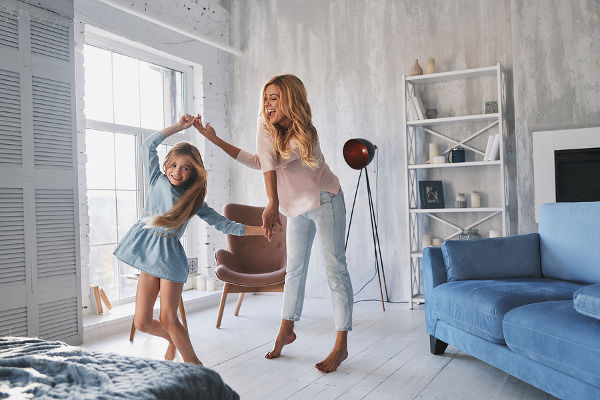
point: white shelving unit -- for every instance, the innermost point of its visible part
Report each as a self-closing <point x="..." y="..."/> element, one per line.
<point x="418" y="132"/>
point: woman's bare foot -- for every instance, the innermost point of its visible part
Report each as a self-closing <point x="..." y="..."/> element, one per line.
<point x="337" y="355"/>
<point x="333" y="360"/>
<point x="170" y="354"/>
<point x="285" y="336"/>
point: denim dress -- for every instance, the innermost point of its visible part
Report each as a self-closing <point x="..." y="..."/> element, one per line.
<point x="151" y="249"/>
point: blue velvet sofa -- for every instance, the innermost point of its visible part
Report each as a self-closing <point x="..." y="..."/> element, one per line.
<point x="527" y="304"/>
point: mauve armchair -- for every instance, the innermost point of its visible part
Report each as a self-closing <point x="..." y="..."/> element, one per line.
<point x="251" y="263"/>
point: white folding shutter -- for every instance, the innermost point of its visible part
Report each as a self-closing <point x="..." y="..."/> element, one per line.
<point x="41" y="293"/>
<point x="14" y="277"/>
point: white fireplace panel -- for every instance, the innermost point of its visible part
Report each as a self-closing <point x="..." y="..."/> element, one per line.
<point x="544" y="145"/>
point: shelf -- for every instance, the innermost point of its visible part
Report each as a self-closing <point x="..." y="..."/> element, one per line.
<point x="419" y="299"/>
<point x="469" y="127"/>
<point x="453" y="210"/>
<point x="454" y="165"/>
<point x="452" y="75"/>
<point x="451" y="120"/>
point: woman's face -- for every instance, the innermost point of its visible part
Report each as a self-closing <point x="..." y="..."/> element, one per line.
<point x="273" y="111"/>
<point x="180" y="170"/>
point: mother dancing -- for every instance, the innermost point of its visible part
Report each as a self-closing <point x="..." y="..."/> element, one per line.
<point x="299" y="182"/>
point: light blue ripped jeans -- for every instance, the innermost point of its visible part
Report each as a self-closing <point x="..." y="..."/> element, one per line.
<point x="328" y="221"/>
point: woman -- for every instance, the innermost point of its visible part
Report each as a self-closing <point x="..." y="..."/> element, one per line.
<point x="299" y="182"/>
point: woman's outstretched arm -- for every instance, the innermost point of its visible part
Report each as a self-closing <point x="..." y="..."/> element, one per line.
<point x="209" y="133"/>
<point x="270" y="215"/>
<point x="241" y="156"/>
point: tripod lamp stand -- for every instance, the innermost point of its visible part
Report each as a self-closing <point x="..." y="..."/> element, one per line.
<point x="358" y="153"/>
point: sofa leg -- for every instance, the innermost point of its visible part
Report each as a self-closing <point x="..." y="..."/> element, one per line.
<point x="436" y="346"/>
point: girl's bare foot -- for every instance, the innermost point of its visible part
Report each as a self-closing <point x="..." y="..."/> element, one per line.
<point x="285" y="336"/>
<point x="170" y="354"/>
<point x="333" y="360"/>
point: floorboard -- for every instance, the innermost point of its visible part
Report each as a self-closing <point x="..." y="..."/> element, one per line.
<point x="388" y="355"/>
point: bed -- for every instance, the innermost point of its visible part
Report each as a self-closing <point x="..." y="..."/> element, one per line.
<point x="34" y="368"/>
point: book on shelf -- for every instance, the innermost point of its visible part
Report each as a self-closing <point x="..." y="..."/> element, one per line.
<point x="411" y="110"/>
<point x="488" y="147"/>
<point x="494" y="153"/>
<point x="419" y="106"/>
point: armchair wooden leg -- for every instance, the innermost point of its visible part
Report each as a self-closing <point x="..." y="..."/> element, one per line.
<point x="239" y="304"/>
<point x="182" y="312"/>
<point x="222" y="305"/>
<point x="436" y="346"/>
<point x="132" y="334"/>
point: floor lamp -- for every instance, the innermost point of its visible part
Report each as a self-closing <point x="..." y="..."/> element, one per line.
<point x="358" y="153"/>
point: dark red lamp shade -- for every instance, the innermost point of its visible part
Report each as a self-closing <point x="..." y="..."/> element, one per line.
<point x="358" y="153"/>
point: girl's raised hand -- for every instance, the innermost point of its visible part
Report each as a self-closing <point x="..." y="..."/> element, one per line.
<point x="185" y="121"/>
<point x="207" y="131"/>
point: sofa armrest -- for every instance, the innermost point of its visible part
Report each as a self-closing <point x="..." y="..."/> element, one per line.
<point x="434" y="274"/>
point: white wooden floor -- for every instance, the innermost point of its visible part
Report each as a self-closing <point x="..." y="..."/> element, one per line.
<point x="388" y="356"/>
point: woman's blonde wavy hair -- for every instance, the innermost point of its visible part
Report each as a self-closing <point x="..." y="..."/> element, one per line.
<point x="294" y="105"/>
<point x="194" y="190"/>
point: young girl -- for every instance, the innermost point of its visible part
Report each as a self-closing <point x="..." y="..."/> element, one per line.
<point x="299" y="182"/>
<point x="152" y="244"/>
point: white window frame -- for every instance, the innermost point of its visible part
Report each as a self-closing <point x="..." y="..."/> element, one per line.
<point x="110" y="42"/>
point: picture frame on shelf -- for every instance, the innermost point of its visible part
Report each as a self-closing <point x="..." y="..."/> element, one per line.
<point x="431" y="194"/>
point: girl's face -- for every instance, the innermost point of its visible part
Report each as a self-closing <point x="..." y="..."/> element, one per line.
<point x="179" y="170"/>
<point x="272" y="102"/>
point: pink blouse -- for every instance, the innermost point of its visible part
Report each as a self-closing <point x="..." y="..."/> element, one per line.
<point x="298" y="186"/>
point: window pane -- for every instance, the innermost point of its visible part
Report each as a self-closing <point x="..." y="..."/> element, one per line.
<point x="173" y="82"/>
<point x="100" y="167"/>
<point x="125" y="161"/>
<point x="126" y="211"/>
<point x="127" y="287"/>
<point x="103" y="266"/>
<point x="162" y="151"/>
<point x="98" y="84"/>
<point x="103" y="216"/>
<point x="151" y="96"/>
<point x="127" y="90"/>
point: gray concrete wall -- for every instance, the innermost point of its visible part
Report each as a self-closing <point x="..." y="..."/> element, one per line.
<point x="351" y="56"/>
<point x="556" y="59"/>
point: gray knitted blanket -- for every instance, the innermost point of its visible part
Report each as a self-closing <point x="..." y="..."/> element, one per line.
<point x="34" y="368"/>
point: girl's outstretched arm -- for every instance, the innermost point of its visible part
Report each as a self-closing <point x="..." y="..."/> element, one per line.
<point x="251" y="230"/>
<point x="225" y="225"/>
<point x="149" y="154"/>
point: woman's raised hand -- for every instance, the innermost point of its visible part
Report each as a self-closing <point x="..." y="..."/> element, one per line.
<point x="207" y="131"/>
<point x="185" y="121"/>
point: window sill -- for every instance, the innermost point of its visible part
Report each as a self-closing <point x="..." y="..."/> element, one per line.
<point x="120" y="317"/>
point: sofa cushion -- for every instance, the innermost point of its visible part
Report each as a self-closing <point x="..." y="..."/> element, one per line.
<point x="569" y="238"/>
<point x="554" y="334"/>
<point x="497" y="258"/>
<point x="479" y="306"/>
<point x="586" y="300"/>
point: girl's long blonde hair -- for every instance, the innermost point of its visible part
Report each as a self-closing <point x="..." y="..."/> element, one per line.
<point x="294" y="105"/>
<point x="194" y="189"/>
